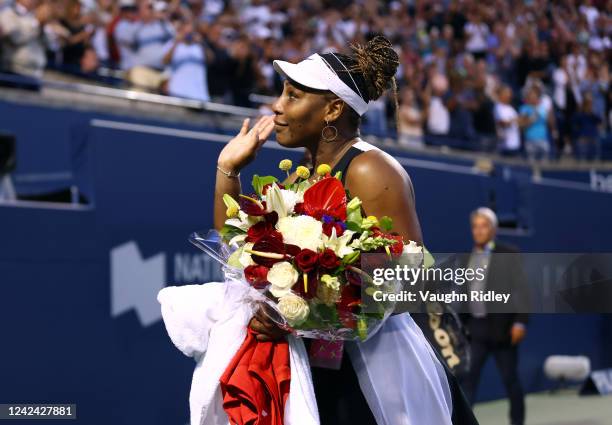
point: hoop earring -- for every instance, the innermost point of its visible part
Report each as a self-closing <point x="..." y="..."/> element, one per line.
<point x="327" y="138"/>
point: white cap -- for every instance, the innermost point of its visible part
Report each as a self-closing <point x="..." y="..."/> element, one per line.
<point x="314" y="72"/>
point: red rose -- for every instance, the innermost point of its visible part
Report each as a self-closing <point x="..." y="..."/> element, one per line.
<point x="258" y="230"/>
<point x="306" y="260"/>
<point x="292" y="250"/>
<point x="328" y="227"/>
<point x="257" y="276"/>
<point x="299" y="208"/>
<point x="328" y="259"/>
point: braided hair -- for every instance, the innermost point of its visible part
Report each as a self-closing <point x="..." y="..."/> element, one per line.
<point x="369" y="70"/>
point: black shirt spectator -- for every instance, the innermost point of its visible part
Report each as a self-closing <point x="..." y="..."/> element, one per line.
<point x="484" y="119"/>
<point x="73" y="52"/>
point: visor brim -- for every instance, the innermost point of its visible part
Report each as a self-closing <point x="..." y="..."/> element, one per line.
<point x="301" y="73"/>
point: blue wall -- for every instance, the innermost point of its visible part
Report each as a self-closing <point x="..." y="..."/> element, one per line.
<point x="82" y="325"/>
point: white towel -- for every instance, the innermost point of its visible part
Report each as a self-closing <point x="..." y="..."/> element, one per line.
<point x="208" y="322"/>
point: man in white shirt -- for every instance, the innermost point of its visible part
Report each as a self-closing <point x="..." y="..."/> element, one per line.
<point x="506" y="120"/>
<point x="187" y="60"/>
<point x="477" y="34"/>
<point x="22" y="37"/>
<point x="151" y="35"/>
<point x="438" y="116"/>
<point x="125" y="33"/>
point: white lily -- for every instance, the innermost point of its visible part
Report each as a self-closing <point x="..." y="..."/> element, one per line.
<point x="281" y="200"/>
<point x="244" y="221"/>
<point x="339" y="244"/>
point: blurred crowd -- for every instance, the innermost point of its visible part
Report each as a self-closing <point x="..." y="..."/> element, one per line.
<point x="527" y="77"/>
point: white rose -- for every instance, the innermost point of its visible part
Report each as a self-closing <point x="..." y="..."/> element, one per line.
<point x="413" y="248"/>
<point x="282" y="276"/>
<point x="245" y="258"/>
<point x="294" y="308"/>
<point x="303" y="231"/>
<point x="413" y="253"/>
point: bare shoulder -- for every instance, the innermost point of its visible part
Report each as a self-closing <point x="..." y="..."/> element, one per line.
<point x="376" y="170"/>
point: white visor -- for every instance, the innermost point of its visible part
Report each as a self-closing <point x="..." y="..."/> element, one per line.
<point x="313" y="72"/>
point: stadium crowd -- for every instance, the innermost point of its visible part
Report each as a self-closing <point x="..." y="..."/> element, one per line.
<point x="518" y="77"/>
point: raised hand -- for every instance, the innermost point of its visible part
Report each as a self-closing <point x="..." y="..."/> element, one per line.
<point x="242" y="149"/>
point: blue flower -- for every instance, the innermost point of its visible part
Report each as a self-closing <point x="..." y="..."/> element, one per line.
<point x="327" y="219"/>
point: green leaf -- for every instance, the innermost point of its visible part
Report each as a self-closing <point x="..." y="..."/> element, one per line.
<point x="351" y="225"/>
<point x="233" y="259"/>
<point x="227" y="232"/>
<point x="354" y="219"/>
<point x="328" y="314"/>
<point x="260" y="181"/>
<point x="302" y="186"/>
<point x="386" y="223"/>
<point x="350" y="258"/>
<point x="338" y="175"/>
<point x="428" y="259"/>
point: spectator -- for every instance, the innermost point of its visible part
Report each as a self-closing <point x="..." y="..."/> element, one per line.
<point x="587" y="124"/>
<point x="187" y="60"/>
<point x="123" y="31"/>
<point x="564" y="104"/>
<point x="533" y="120"/>
<point x="256" y="17"/>
<point x="506" y="120"/>
<point x="244" y="73"/>
<point x="151" y="34"/>
<point x="220" y="65"/>
<point x="438" y="116"/>
<point x="102" y="15"/>
<point x="411" y="120"/>
<point x="484" y="120"/>
<point x="23" y="40"/>
<point x="460" y="102"/>
<point x="76" y="38"/>
<point x="474" y="45"/>
<point x="477" y="34"/>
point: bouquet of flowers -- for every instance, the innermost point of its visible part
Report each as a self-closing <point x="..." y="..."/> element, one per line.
<point x="300" y="245"/>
